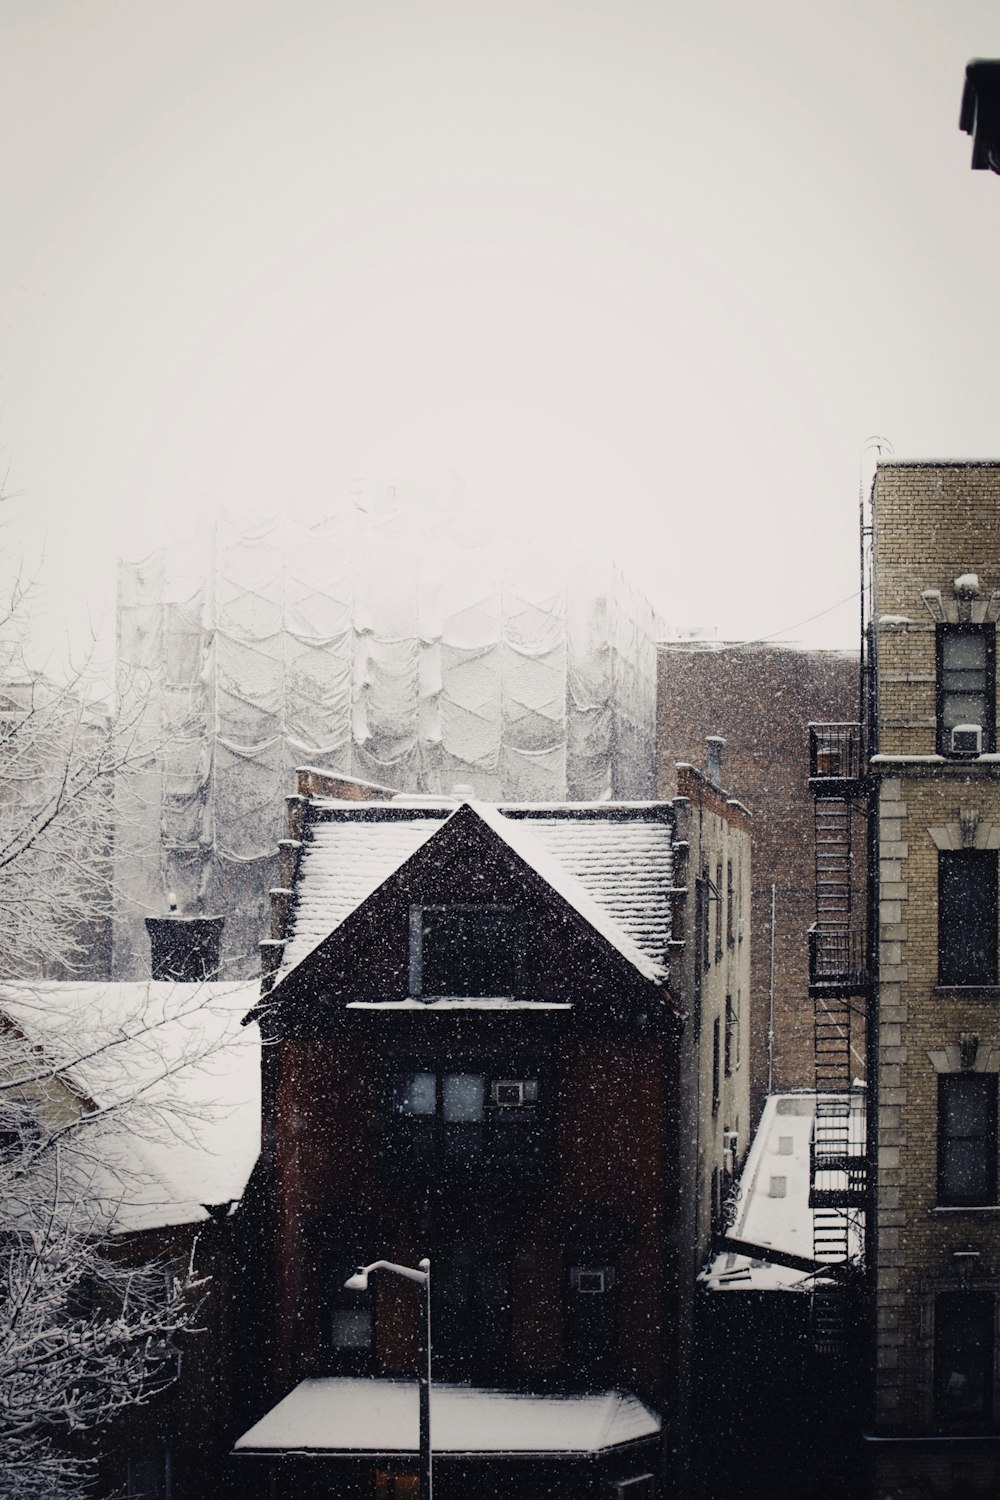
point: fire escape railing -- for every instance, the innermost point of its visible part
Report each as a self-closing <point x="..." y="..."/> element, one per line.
<point x="838" y="983"/>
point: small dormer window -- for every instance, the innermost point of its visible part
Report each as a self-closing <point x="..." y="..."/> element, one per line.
<point x="462" y="950"/>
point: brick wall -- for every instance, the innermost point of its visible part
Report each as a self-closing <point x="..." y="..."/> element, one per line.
<point x="933" y="523"/>
<point x="761" y="698"/>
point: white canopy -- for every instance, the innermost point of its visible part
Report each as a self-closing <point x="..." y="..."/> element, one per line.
<point x="357" y="1417"/>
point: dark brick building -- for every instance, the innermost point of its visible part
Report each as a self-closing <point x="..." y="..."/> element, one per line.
<point x="512" y="1040"/>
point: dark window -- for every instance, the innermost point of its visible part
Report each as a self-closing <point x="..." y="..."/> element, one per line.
<point x="705" y="892"/>
<point x="966" y="678"/>
<point x="967" y="1138"/>
<point x="459" y="1121"/>
<point x="718" y="912"/>
<point x="463" y="950"/>
<point x="967" y="916"/>
<point x="963" y="1357"/>
<point x="730" y="914"/>
<point x="396" y="1486"/>
<point x="716" y="1064"/>
<point x="349" y="1319"/>
<point x="732" y="1036"/>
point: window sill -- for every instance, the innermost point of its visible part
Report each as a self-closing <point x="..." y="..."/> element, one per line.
<point x="968" y="991"/>
<point x="987" y="1210"/>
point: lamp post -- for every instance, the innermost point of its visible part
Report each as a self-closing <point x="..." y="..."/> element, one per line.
<point x="422" y="1276"/>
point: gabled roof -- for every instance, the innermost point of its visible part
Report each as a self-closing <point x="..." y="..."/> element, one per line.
<point x="611" y="863"/>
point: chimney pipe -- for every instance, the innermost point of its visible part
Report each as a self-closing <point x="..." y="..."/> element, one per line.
<point x="184" y="949"/>
<point x="716" y="745"/>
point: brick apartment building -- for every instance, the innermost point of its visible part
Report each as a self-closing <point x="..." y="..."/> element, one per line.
<point x="930" y="773"/>
<point x="512" y="1039"/>
<point x="760" y="698"/>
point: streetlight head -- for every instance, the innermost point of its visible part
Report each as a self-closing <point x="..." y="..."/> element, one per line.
<point x="358" y="1282"/>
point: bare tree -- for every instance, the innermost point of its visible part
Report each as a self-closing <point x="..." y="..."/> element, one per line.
<point x="97" y="1127"/>
<point x="81" y="1336"/>
<point x="60" y="752"/>
<point x="84" y="1335"/>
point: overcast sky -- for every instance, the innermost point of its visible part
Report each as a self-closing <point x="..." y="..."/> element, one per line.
<point x="646" y="271"/>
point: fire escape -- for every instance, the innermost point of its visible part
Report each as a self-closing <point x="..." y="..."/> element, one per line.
<point x="839" y="985"/>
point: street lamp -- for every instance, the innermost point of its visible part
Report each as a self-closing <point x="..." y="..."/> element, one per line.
<point x="422" y="1276"/>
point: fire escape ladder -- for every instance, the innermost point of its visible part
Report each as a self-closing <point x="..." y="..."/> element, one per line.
<point x="837" y="979"/>
<point x="833" y="864"/>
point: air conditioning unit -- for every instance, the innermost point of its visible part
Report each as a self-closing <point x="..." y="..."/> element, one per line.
<point x="514" y="1093"/>
<point x="590" y="1280"/>
<point x="967" y="739"/>
<point x="731" y="1142"/>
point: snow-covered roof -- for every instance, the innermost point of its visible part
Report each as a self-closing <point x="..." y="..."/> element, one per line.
<point x="460" y="1002"/>
<point x="615" y="870"/>
<point x="773" y="1197"/>
<point x="171" y="1078"/>
<point x="357" y="1416"/>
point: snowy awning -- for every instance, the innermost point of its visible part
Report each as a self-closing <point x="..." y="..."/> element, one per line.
<point x="366" y="1418"/>
<point x="459" y="1002"/>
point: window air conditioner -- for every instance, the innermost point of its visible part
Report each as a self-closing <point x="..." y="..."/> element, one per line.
<point x="967" y="739"/>
<point x="584" y="1279"/>
<point x="731" y="1142"/>
<point x="515" y="1092"/>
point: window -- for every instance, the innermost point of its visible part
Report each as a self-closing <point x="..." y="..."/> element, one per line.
<point x="963" y="1357"/>
<point x="716" y="1064"/>
<point x="396" y="1486"/>
<point x="718" y="912"/>
<point x="453" y="1120"/>
<point x="967" y="1139"/>
<point x="349" y="1314"/>
<point x="732" y="1036"/>
<point x="704" y="895"/>
<point x="730" y="914"/>
<point x="967" y="916"/>
<point x="463" y="950"/>
<point x="966" y="681"/>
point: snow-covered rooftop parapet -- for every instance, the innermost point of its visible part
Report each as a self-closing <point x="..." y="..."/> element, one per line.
<point x="169" y="1079"/>
<point x="358" y="1416"/>
<point x="612" y="863"/>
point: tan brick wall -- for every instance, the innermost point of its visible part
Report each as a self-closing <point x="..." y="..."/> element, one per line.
<point x="933" y="522"/>
<point x="917" y="1240"/>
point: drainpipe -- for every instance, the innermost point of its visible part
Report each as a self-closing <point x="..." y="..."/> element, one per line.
<point x="770" y="1003"/>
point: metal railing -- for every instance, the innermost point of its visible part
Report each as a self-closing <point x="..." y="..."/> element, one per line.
<point x="835" y="752"/>
<point x="837" y="956"/>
